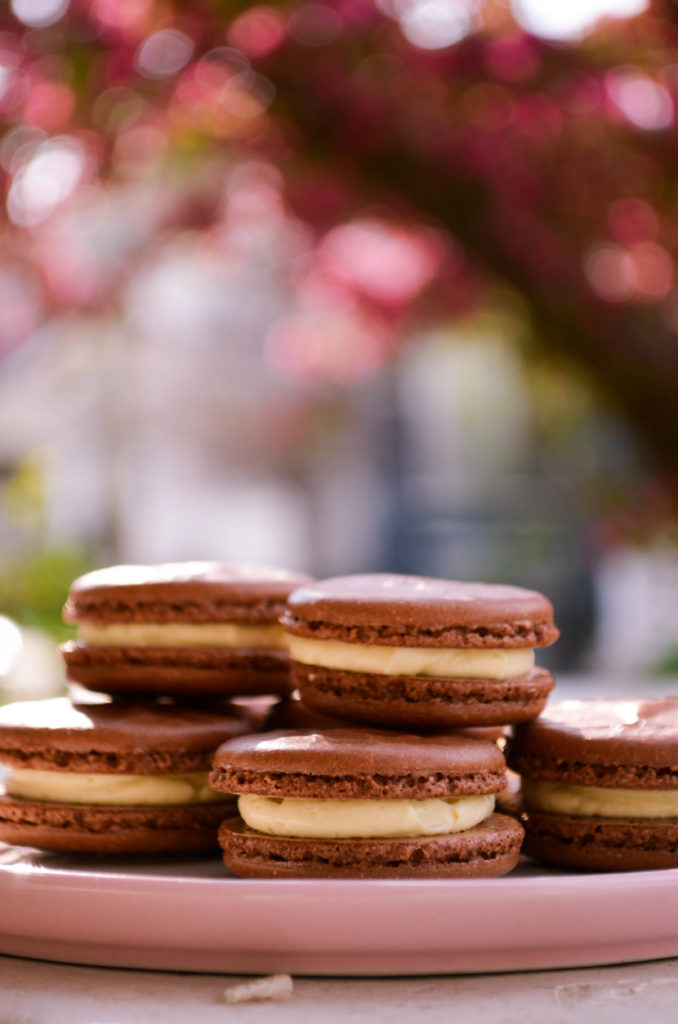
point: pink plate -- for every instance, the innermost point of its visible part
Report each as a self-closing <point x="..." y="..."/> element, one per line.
<point x="192" y="916"/>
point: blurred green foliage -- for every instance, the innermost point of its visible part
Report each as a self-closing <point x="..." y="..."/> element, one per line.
<point x="24" y="496"/>
<point x="34" y="580"/>
<point x="33" y="587"/>
<point x="667" y="664"/>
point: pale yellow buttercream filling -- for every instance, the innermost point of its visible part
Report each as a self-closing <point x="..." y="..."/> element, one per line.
<point x="181" y="634"/>
<point x="104" y="788"/>
<point x="464" y="663"/>
<point x="363" y="819"/>
<point x="599" y="802"/>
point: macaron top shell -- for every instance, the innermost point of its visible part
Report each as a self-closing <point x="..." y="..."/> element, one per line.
<point x="118" y="738"/>
<point x="181" y="592"/>
<point x="418" y="611"/>
<point x="619" y="742"/>
<point x="354" y="763"/>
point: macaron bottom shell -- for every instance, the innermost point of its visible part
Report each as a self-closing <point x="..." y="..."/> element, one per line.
<point x="422" y="702"/>
<point x="86" y="828"/>
<point x="178" y="671"/>
<point x="601" y="844"/>
<point x="488" y="850"/>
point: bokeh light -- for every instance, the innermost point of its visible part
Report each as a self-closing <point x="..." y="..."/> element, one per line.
<point x="389" y="265"/>
<point x="49" y="105"/>
<point x="436" y="24"/>
<point x="247" y="95"/>
<point x="49" y="177"/>
<point x="164" y="53"/>
<point x="39" y="13"/>
<point x="17" y="146"/>
<point x="258" y="31"/>
<point x="654" y="271"/>
<point x="644" y="102"/>
<point x="123" y="17"/>
<point x="645" y="272"/>
<point x="610" y="272"/>
<point x="571" y="20"/>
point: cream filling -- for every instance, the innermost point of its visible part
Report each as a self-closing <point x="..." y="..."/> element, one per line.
<point x="363" y="819"/>
<point x="464" y="663"/>
<point x="596" y="801"/>
<point x="100" y="788"/>
<point x="181" y="634"/>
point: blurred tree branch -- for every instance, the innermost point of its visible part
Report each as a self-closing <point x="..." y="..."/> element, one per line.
<point x="524" y="197"/>
<point x="550" y="167"/>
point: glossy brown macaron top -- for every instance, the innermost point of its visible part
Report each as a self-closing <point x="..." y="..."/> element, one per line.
<point x="417" y="611"/>
<point x="56" y="735"/>
<point x="181" y="592"/>
<point x="627" y="743"/>
<point x="352" y="763"/>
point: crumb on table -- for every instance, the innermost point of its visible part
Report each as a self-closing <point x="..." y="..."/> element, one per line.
<point x="273" y="987"/>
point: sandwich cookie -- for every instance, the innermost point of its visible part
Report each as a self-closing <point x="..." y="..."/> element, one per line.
<point x="193" y="629"/>
<point x="600" y="784"/>
<point x="420" y="653"/>
<point x="111" y="778"/>
<point x="363" y="803"/>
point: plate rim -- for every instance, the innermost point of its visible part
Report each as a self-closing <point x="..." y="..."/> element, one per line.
<point x="633" y="919"/>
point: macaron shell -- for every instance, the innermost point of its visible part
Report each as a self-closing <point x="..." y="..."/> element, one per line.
<point x="186" y="672"/>
<point x="412" y="611"/>
<point x="635" y="734"/>
<point x="181" y="592"/>
<point x="118" y="738"/>
<point x="601" y="844"/>
<point x="422" y="702"/>
<point x="348" y="750"/>
<point x="86" y="828"/>
<point x="357" y="764"/>
<point x="488" y="850"/>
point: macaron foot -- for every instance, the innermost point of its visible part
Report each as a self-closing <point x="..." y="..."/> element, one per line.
<point x="489" y="850"/>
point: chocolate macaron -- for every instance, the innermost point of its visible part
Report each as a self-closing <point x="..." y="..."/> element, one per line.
<point x="111" y="778"/>
<point x="363" y="803"/>
<point x="420" y="653"/>
<point x="600" y="784"/>
<point x="189" y="629"/>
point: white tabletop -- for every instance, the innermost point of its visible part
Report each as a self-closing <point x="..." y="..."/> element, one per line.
<point x="35" y="992"/>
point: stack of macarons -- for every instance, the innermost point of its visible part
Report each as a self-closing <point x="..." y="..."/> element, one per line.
<point x="408" y="664"/>
<point x="186" y="630"/>
<point x="166" y="659"/>
<point x="385" y="763"/>
<point x="600" y="784"/>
